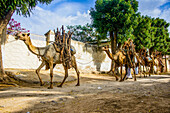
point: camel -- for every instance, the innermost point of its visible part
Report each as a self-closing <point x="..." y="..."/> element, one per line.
<point x="134" y="57"/>
<point x="158" y="61"/>
<point x="50" y="56"/>
<point x="120" y="59"/>
<point x="148" y="61"/>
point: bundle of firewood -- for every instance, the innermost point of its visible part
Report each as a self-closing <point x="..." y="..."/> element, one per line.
<point x="64" y="40"/>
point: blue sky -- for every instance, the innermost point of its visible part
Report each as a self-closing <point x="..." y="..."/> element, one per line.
<point x="76" y="12"/>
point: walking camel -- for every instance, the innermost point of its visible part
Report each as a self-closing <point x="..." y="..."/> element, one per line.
<point x="120" y="59"/>
<point x="149" y="61"/>
<point x="129" y="49"/>
<point x="50" y="56"/>
<point x="158" y="61"/>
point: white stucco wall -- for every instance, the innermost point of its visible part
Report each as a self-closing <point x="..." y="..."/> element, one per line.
<point x="88" y="58"/>
<point x="17" y="54"/>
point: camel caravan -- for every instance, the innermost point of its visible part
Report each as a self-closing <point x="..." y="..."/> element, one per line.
<point x="62" y="52"/>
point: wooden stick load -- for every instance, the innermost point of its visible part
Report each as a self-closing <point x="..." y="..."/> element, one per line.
<point x="64" y="39"/>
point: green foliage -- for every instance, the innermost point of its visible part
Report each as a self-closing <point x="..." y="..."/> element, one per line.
<point x="115" y="15"/>
<point x="161" y="35"/>
<point x="168" y="46"/>
<point x="23" y="7"/>
<point x="142" y="32"/>
<point x="85" y="33"/>
<point x="151" y="33"/>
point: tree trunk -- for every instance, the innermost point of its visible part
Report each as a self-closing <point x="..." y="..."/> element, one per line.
<point x="119" y="45"/>
<point x="2" y="73"/>
<point x="113" y="41"/>
<point x="111" y="38"/>
<point x="3" y="25"/>
<point x="165" y="64"/>
<point x="113" y="45"/>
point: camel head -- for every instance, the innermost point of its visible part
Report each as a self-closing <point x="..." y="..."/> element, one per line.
<point x="105" y="48"/>
<point x="22" y="36"/>
<point x="126" y="45"/>
<point x="143" y="52"/>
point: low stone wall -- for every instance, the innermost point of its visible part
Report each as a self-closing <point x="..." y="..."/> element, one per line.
<point x="89" y="58"/>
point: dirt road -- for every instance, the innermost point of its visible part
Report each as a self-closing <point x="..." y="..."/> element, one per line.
<point x="97" y="93"/>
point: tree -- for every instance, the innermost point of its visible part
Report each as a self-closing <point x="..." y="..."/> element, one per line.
<point x="86" y="33"/>
<point x="151" y="33"/>
<point x="114" y="16"/>
<point x="143" y="33"/>
<point x="81" y="33"/>
<point x="8" y="7"/>
<point x="160" y="35"/>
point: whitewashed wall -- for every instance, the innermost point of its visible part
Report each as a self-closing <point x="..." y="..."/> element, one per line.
<point x="17" y="54"/>
<point x="89" y="59"/>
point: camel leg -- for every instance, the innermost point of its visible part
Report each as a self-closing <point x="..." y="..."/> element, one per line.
<point x="156" y="69"/>
<point x="121" y="74"/>
<point x="78" y="75"/>
<point x="51" y="74"/>
<point x="113" y="70"/>
<point x="37" y="72"/>
<point x="149" y="70"/>
<point x="145" y="71"/>
<point x="139" y="70"/>
<point x="142" y="72"/>
<point x="66" y="75"/>
<point x="134" y="72"/>
<point x="126" y="68"/>
<point x="121" y="77"/>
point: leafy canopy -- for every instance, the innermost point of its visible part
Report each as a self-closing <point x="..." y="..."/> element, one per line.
<point x="112" y="15"/>
<point x="23" y="7"/>
<point x="151" y="33"/>
<point x="86" y="33"/>
<point x="142" y="32"/>
<point x="160" y="37"/>
<point x="118" y="16"/>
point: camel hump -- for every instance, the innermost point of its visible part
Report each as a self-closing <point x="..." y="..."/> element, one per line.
<point x="73" y="50"/>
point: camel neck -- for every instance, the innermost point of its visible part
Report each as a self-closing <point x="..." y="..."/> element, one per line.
<point x="31" y="47"/>
<point x="109" y="54"/>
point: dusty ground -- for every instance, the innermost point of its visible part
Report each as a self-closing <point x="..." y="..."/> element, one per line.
<point x="98" y="93"/>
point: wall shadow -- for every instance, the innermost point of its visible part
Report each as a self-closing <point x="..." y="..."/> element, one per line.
<point x="98" y="56"/>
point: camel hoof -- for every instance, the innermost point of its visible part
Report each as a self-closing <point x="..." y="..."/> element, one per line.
<point x="117" y="79"/>
<point x="41" y="84"/>
<point x="77" y="84"/>
<point x="59" y="86"/>
<point x="121" y="80"/>
<point x="51" y="87"/>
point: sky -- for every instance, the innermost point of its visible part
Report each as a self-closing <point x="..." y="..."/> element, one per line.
<point x="76" y="12"/>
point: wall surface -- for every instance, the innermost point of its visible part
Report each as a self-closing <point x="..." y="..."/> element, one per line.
<point x="89" y="58"/>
